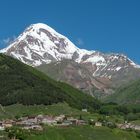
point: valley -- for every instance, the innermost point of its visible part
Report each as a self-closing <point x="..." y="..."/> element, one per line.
<point x="96" y="73"/>
<point x="60" y="121"/>
<point x="50" y="89"/>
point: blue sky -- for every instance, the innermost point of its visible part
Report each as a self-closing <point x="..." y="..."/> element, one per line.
<point x="104" y="25"/>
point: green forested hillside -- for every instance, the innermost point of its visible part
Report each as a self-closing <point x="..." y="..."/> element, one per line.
<point x="129" y="94"/>
<point x="20" y="83"/>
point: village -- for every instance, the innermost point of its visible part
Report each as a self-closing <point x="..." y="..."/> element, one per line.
<point x="37" y="122"/>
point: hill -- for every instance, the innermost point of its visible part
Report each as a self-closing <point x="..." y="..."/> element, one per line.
<point x="128" y="94"/>
<point x="23" y="84"/>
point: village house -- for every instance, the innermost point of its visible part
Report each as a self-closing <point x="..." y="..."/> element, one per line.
<point x="137" y="127"/>
<point x="66" y="123"/>
<point x="128" y="126"/>
<point x="49" y="120"/>
<point x="40" y="118"/>
<point x="84" y="110"/>
<point x="8" y="123"/>
<point x="98" y="124"/>
<point x="19" y="123"/>
<point x="60" y="118"/>
<point x="33" y="127"/>
<point x="1" y="126"/>
<point x="73" y="120"/>
<point x="27" y="121"/>
<point x="125" y="126"/>
<point x="81" y="122"/>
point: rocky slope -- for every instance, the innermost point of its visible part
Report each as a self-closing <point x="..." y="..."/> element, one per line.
<point x="40" y="45"/>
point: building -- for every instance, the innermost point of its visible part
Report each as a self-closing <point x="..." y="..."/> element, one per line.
<point x="49" y="120"/>
<point x="84" y="110"/>
<point x="81" y="122"/>
<point x="33" y="127"/>
<point x="98" y="124"/>
<point x="8" y="123"/>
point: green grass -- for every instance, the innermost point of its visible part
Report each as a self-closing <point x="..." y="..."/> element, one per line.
<point x="19" y="110"/>
<point x="84" y="133"/>
<point x="56" y="109"/>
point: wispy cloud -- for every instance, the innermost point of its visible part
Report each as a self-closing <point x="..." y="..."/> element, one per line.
<point x="7" y="41"/>
<point x="80" y="42"/>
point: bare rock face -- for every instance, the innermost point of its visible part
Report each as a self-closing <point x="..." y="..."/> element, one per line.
<point x="41" y="45"/>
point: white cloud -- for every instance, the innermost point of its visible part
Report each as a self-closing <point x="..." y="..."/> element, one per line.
<point x="7" y="41"/>
<point x="80" y="42"/>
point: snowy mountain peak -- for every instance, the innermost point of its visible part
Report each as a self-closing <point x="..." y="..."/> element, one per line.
<point x="41" y="44"/>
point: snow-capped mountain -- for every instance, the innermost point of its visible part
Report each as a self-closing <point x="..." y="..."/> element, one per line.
<point x="40" y="44"/>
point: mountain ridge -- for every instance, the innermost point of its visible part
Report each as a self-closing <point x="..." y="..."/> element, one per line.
<point x="40" y="45"/>
<point x="36" y="31"/>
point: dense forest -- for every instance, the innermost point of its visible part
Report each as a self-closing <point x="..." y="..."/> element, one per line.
<point x="23" y="84"/>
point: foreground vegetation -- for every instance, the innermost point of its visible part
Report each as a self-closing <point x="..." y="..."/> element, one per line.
<point x="84" y="133"/>
<point x="72" y="133"/>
